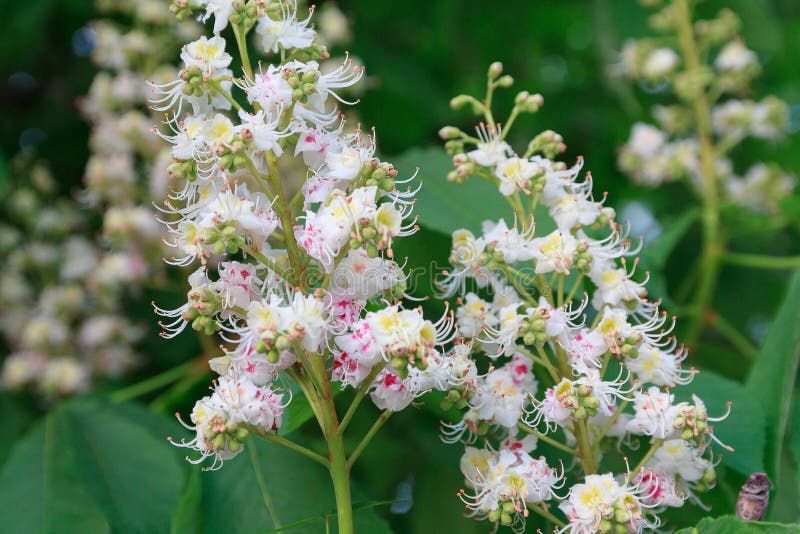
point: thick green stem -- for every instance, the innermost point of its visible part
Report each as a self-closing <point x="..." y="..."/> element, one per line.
<point x="762" y="262"/>
<point x="340" y="475"/>
<point x="286" y="217"/>
<point x="713" y="240"/>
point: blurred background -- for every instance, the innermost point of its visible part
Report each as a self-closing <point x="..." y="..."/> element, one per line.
<point x="418" y="55"/>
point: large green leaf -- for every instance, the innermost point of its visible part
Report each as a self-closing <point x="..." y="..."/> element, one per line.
<point x="91" y="467"/>
<point x="772" y="378"/>
<point x="447" y="207"/>
<point x="17" y="417"/>
<point x="264" y="488"/>
<point x="731" y="525"/>
<point x="744" y="430"/>
<point x="654" y="255"/>
<point x="794" y="442"/>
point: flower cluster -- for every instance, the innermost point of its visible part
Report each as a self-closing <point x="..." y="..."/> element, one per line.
<point x="670" y="151"/>
<point x="579" y="359"/>
<point x="292" y="219"/>
<point x="60" y="298"/>
<point x="136" y="41"/>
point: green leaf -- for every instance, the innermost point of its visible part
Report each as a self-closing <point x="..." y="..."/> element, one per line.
<point x="444" y="206"/>
<point x="744" y="430"/>
<point x="267" y="487"/>
<point x="731" y="525"/>
<point x="654" y="255"/>
<point x="91" y="467"/>
<point x="794" y="441"/>
<point x="772" y="378"/>
<point x="18" y="415"/>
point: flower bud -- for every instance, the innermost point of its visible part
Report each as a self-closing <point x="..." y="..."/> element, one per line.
<point x="495" y="70"/>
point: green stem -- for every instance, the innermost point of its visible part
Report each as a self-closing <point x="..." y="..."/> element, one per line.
<point x="151" y="384"/>
<point x="368" y="437"/>
<point x="762" y="262"/>
<point x="362" y="390"/>
<point x="226" y="94"/>
<point x="241" y="42"/>
<point x="271" y="265"/>
<point x="285" y="216"/>
<point x="713" y="241"/>
<point x="585" y="450"/>
<point x="280" y="440"/>
<point x="653" y="448"/>
<point x="544" y="512"/>
<point x="340" y="475"/>
<point x="547" y="439"/>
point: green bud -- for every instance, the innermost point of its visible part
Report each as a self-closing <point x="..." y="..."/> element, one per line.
<point x="453" y="395"/>
<point x="605" y="526"/>
<point x="508" y="507"/>
<point x="494" y="516"/>
<point x="241" y="434"/>
<point x="580" y="413"/>
<point x="505" y="518"/>
<point x="219" y="441"/>
<point x="505" y="81"/>
<point x="399" y="363"/>
<point x="461" y="404"/>
<point x="369" y="232"/>
<point x="445" y="405"/>
<point x="387" y="184"/>
<point x="372" y="251"/>
<point x="621" y="515"/>
<point x="310" y="76"/>
<point x="495" y="70"/>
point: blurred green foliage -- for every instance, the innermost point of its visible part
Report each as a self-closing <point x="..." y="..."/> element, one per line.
<point x="418" y="55"/>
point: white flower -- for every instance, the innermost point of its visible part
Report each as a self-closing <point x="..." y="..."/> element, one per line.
<point x="390" y="392"/>
<point x="269" y="89"/>
<point x="514" y="246"/>
<point x="735" y="57"/>
<point x="206" y="54"/>
<point x="286" y="32"/>
<point x="654" y="413"/>
<point x="659" y="63"/>
<point x="220" y="9"/>
<point x="554" y="252"/>
<point x="491" y="150"/>
<point x="515" y="174"/>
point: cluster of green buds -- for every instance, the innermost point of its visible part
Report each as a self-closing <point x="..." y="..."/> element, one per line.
<point x="233" y="156"/>
<point x="458" y="397"/>
<point x="303" y="84"/>
<point x="183" y="170"/>
<point x="624" y="510"/>
<point x="533" y="330"/>
<point x="504" y="513"/>
<point x="708" y="481"/>
<point x="579" y="400"/>
<point x="272" y="343"/>
<point x="402" y="359"/>
<point x="225" y="435"/>
<point x="203" y="304"/>
<point x="376" y="173"/>
<point x="549" y="144"/>
<point x="692" y="422"/>
<point x="224" y="237"/>
<point x="583" y="256"/>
